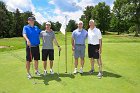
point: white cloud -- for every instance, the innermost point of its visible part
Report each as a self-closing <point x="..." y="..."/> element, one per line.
<point x="73" y="9"/>
<point x="51" y="2"/>
<point x="39" y="17"/>
<point x="75" y="15"/>
<point x="22" y="5"/>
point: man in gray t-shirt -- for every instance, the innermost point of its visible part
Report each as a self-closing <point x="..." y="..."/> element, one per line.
<point x="48" y="36"/>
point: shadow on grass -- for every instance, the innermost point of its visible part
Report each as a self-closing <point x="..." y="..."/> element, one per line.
<point x="46" y="79"/>
<point x="105" y="74"/>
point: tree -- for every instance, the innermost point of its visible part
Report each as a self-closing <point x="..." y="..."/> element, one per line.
<point x="57" y="26"/>
<point x="18" y="23"/>
<point x="87" y="16"/>
<point x="3" y="19"/>
<point x="25" y="16"/>
<point x="71" y="26"/>
<point x="11" y="25"/>
<point x="43" y="26"/>
<point x="113" y="23"/>
<point x="117" y="10"/>
<point x="131" y="10"/>
<point x="101" y="14"/>
<point x="12" y="22"/>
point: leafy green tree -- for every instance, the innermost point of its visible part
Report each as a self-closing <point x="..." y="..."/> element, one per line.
<point x="117" y="10"/>
<point x="25" y="16"/>
<point x="57" y="26"/>
<point x="3" y="20"/>
<point x="101" y="15"/>
<point x="71" y="26"/>
<point x="18" y="23"/>
<point x="87" y="16"/>
<point x="131" y="12"/>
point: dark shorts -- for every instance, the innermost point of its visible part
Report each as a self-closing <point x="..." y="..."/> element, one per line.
<point x="32" y="53"/>
<point x="47" y="53"/>
<point x="93" y="51"/>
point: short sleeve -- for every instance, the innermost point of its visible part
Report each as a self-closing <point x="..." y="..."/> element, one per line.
<point x="86" y="34"/>
<point x="41" y="34"/>
<point x="24" y="30"/>
<point x="53" y="35"/>
<point x="38" y="29"/>
<point x="99" y="34"/>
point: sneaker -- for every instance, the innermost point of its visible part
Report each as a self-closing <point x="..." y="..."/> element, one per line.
<point x="29" y="76"/>
<point x="81" y="71"/>
<point x="51" y="71"/>
<point x="75" y="71"/>
<point x="99" y="75"/>
<point x="37" y="73"/>
<point x="45" y="72"/>
<point x="91" y="71"/>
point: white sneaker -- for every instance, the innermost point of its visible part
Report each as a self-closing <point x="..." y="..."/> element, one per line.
<point x="37" y="73"/>
<point x="51" y="71"/>
<point x="75" y="71"/>
<point x="99" y="75"/>
<point x="29" y="76"/>
<point x="81" y="71"/>
<point x="45" y="72"/>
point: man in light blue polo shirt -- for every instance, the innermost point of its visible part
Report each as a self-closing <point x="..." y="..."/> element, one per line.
<point x="78" y="45"/>
<point x="31" y="35"/>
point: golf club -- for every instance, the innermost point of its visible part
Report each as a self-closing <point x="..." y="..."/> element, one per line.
<point x="58" y="62"/>
<point x="72" y="62"/>
<point x="34" y="82"/>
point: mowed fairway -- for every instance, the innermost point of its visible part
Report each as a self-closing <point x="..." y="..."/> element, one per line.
<point x="121" y="67"/>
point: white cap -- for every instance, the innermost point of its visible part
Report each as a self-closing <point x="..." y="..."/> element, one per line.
<point x="48" y="23"/>
<point x="79" y="22"/>
<point x="92" y="20"/>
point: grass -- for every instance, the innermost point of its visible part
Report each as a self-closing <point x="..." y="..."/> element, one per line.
<point x="120" y="65"/>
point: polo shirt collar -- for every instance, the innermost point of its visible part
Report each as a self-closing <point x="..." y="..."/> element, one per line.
<point x="93" y="29"/>
<point x="80" y="30"/>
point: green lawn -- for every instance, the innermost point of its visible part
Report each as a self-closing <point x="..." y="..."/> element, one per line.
<point x="121" y="57"/>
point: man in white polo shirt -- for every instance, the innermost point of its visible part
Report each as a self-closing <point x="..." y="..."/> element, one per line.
<point x="95" y="47"/>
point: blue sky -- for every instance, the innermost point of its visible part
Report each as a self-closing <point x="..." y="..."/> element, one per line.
<point x="54" y="10"/>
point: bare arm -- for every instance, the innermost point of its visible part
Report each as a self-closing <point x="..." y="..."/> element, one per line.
<point x="72" y="42"/>
<point x="100" y="45"/>
<point x="56" y="43"/>
<point x="27" y="40"/>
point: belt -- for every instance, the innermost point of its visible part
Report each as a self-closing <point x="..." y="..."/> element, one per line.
<point x="34" y="46"/>
<point x="93" y="44"/>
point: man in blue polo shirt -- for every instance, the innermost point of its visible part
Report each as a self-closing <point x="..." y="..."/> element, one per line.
<point x="31" y="35"/>
<point x="78" y="45"/>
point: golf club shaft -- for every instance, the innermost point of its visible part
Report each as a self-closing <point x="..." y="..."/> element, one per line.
<point x="34" y="82"/>
<point x="58" y="62"/>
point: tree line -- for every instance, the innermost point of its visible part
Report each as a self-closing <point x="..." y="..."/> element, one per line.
<point x="123" y="18"/>
<point x="11" y="23"/>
